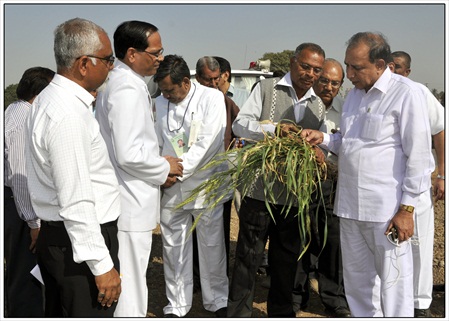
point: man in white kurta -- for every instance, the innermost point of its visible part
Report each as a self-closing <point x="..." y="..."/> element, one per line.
<point x="197" y="115"/>
<point x="422" y="244"/>
<point x="124" y="112"/>
<point x="384" y="166"/>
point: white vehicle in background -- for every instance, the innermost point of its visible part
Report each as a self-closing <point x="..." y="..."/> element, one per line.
<point x="243" y="78"/>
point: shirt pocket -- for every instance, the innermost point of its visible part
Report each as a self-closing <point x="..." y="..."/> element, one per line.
<point x="372" y="126"/>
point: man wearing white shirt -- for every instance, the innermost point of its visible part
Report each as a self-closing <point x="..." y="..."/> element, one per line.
<point x="424" y="212"/>
<point x="23" y="293"/>
<point x="71" y="181"/>
<point x="384" y="166"/>
<point x="197" y="115"/>
<point x="124" y="111"/>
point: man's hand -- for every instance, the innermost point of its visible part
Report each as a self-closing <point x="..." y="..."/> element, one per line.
<point x="34" y="233"/>
<point x="314" y="137"/>
<point x="176" y="167"/>
<point x="438" y="189"/>
<point x="286" y="129"/>
<point x="319" y="155"/>
<point x="171" y="180"/>
<point x="404" y="224"/>
<point x="109" y="287"/>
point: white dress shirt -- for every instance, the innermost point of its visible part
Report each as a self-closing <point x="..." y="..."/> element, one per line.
<point x="203" y="106"/>
<point x="70" y="176"/>
<point x="15" y="160"/>
<point x="384" y="149"/>
<point x="124" y="112"/>
<point x="436" y="110"/>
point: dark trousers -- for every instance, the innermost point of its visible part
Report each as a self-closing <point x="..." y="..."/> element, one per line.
<point x="255" y="226"/>
<point x="70" y="289"/>
<point x="23" y="292"/>
<point x="329" y="262"/>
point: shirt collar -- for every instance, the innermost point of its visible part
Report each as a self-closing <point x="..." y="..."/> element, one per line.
<point x="121" y="65"/>
<point x="337" y="104"/>
<point x="383" y="82"/>
<point x="231" y="89"/>
<point x="287" y="81"/>
<point x="81" y="93"/>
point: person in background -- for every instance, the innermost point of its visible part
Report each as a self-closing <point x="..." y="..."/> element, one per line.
<point x="125" y="114"/>
<point x="23" y="292"/>
<point x="71" y="181"/>
<point x="238" y="95"/>
<point x="274" y="99"/>
<point x="197" y="115"/>
<point x="424" y="212"/>
<point x="329" y="264"/>
<point x="384" y="165"/>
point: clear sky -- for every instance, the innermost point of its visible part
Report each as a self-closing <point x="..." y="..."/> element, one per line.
<point x="239" y="32"/>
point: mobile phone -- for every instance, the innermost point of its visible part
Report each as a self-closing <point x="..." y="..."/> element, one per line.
<point x="393" y="236"/>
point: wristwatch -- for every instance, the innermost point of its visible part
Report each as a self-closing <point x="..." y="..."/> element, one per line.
<point x="407" y="208"/>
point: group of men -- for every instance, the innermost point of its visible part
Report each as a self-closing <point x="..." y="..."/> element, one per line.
<point x="100" y="184"/>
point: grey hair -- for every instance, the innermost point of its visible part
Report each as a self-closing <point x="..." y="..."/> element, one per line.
<point x="75" y="38"/>
<point x="208" y="61"/>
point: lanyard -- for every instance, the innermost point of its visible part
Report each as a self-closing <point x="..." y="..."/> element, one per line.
<point x="185" y="113"/>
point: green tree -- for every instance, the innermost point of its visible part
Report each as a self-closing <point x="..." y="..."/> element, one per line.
<point x="10" y="95"/>
<point x="280" y="61"/>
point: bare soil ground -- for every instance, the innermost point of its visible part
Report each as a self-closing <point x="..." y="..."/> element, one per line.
<point x="156" y="285"/>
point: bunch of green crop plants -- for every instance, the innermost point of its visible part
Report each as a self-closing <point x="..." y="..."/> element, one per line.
<point x="287" y="158"/>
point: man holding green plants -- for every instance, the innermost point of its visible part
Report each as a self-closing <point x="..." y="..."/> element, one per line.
<point x="274" y="100"/>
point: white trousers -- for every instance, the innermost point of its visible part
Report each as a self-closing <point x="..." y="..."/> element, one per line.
<point x="178" y="259"/>
<point x="134" y="254"/>
<point x="378" y="275"/>
<point x="422" y="246"/>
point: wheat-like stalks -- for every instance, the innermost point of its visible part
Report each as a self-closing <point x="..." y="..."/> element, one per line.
<point x="290" y="160"/>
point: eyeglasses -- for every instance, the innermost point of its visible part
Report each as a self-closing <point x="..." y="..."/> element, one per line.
<point x="155" y="54"/>
<point x="334" y="83"/>
<point x="109" y="59"/>
<point x="307" y="67"/>
<point x="210" y="80"/>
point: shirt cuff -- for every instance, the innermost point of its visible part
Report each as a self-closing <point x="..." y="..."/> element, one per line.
<point x="100" y="267"/>
<point x="326" y="139"/>
<point x="33" y="224"/>
<point x="409" y="199"/>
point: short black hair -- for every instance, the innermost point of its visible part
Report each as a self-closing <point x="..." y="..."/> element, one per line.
<point x="310" y="46"/>
<point x="173" y="66"/>
<point x="224" y="66"/>
<point x="132" y="34"/>
<point x="33" y="81"/>
<point x="404" y="55"/>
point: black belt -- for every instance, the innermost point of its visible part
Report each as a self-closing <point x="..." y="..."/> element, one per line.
<point x="60" y="224"/>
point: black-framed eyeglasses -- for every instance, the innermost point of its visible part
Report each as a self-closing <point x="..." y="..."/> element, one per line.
<point x="155" y="54"/>
<point x="334" y="83"/>
<point x="307" y="67"/>
<point x="109" y="59"/>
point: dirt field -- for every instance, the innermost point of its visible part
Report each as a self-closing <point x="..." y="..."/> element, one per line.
<point x="157" y="299"/>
